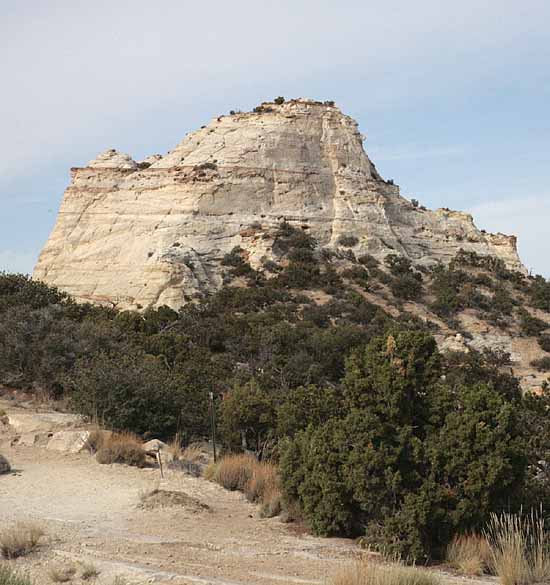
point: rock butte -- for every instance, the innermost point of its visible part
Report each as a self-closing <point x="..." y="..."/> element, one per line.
<point x="154" y="233"/>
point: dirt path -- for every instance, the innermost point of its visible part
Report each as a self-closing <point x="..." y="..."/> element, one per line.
<point x="91" y="513"/>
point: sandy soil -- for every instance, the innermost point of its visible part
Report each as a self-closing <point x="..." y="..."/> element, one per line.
<point x="91" y="513"/>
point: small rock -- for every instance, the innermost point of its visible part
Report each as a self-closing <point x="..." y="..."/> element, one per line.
<point x="5" y="466"/>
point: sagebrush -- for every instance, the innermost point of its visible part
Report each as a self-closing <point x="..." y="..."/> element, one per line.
<point x="20" y="539"/>
<point x="122" y="448"/>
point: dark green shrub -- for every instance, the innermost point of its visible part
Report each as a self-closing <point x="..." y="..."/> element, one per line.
<point x="247" y="414"/>
<point x="206" y="166"/>
<point x="271" y="266"/>
<point x="410" y="458"/>
<point x="542" y="364"/>
<point x="539" y="293"/>
<point x="502" y="302"/>
<point x="529" y="325"/>
<point x="307" y="405"/>
<point x="359" y="275"/>
<point x="544" y="342"/>
<point x="19" y="289"/>
<point x="5" y="466"/>
<point x="407" y="283"/>
<point x="279" y="100"/>
<point x="447" y="287"/>
<point x="348" y="241"/>
<point x="126" y="392"/>
<point x="288" y="237"/>
<point x="407" y="287"/>
<point x="368" y="261"/>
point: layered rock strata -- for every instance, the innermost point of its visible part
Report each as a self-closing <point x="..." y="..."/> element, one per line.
<point x="137" y="234"/>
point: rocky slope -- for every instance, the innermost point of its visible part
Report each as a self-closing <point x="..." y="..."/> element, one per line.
<point x="153" y="233"/>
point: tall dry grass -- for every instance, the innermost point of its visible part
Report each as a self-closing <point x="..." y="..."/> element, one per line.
<point x="20" y="539"/>
<point x="470" y="554"/>
<point x="61" y="574"/>
<point x="258" y="480"/>
<point x="368" y="573"/>
<point x="10" y="577"/>
<point x="520" y="548"/>
<point x="122" y="448"/>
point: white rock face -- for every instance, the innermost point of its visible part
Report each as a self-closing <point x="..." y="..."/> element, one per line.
<point x="69" y="441"/>
<point x="153" y="233"/>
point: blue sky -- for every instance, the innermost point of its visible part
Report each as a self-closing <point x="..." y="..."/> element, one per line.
<point x="453" y="97"/>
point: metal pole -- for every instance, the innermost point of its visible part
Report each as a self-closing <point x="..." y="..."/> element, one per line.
<point x="213" y="424"/>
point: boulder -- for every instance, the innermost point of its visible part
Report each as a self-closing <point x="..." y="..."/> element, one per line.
<point x="5" y="466"/>
<point x="27" y="422"/>
<point x="69" y="441"/>
<point x="34" y="439"/>
<point x="156" y="446"/>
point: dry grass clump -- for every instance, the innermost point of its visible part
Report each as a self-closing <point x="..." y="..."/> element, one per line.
<point x="520" y="548"/>
<point x="61" y="574"/>
<point x="5" y="466"/>
<point x="257" y="479"/>
<point x="367" y="573"/>
<point x="10" y="577"/>
<point x="20" y="539"/>
<point x="235" y="471"/>
<point x="272" y="502"/>
<point x="97" y="439"/>
<point x="192" y="453"/>
<point x="190" y="459"/>
<point x="264" y="478"/>
<point x="122" y="448"/>
<point x="89" y="571"/>
<point x="470" y="554"/>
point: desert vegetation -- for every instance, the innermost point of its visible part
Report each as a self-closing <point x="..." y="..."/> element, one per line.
<point x="62" y="573"/>
<point x="258" y="480"/>
<point x="9" y="576"/>
<point x="440" y="442"/>
<point x="520" y="548"/>
<point x="470" y="554"/>
<point x="19" y="539"/>
<point x="121" y="448"/>
<point x="369" y="573"/>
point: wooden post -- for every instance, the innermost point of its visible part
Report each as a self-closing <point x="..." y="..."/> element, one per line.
<point x="159" y="459"/>
<point x="213" y="424"/>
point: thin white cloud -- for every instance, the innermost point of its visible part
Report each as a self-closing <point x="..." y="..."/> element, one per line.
<point x="526" y="218"/>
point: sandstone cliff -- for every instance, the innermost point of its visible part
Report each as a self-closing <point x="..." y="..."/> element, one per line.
<point x="154" y="232"/>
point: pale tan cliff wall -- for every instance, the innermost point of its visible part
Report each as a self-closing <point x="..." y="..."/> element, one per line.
<point x="150" y="236"/>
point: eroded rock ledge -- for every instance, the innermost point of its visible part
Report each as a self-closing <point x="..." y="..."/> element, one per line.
<point x="154" y="232"/>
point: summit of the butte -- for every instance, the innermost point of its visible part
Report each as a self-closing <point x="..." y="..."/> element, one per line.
<point x="155" y="232"/>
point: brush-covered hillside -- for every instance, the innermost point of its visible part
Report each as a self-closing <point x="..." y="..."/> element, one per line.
<point x="403" y="403"/>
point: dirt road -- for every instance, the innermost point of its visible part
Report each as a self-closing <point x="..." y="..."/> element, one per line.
<point x="92" y="513"/>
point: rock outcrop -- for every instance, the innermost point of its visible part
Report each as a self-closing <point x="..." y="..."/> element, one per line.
<point x="154" y="232"/>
